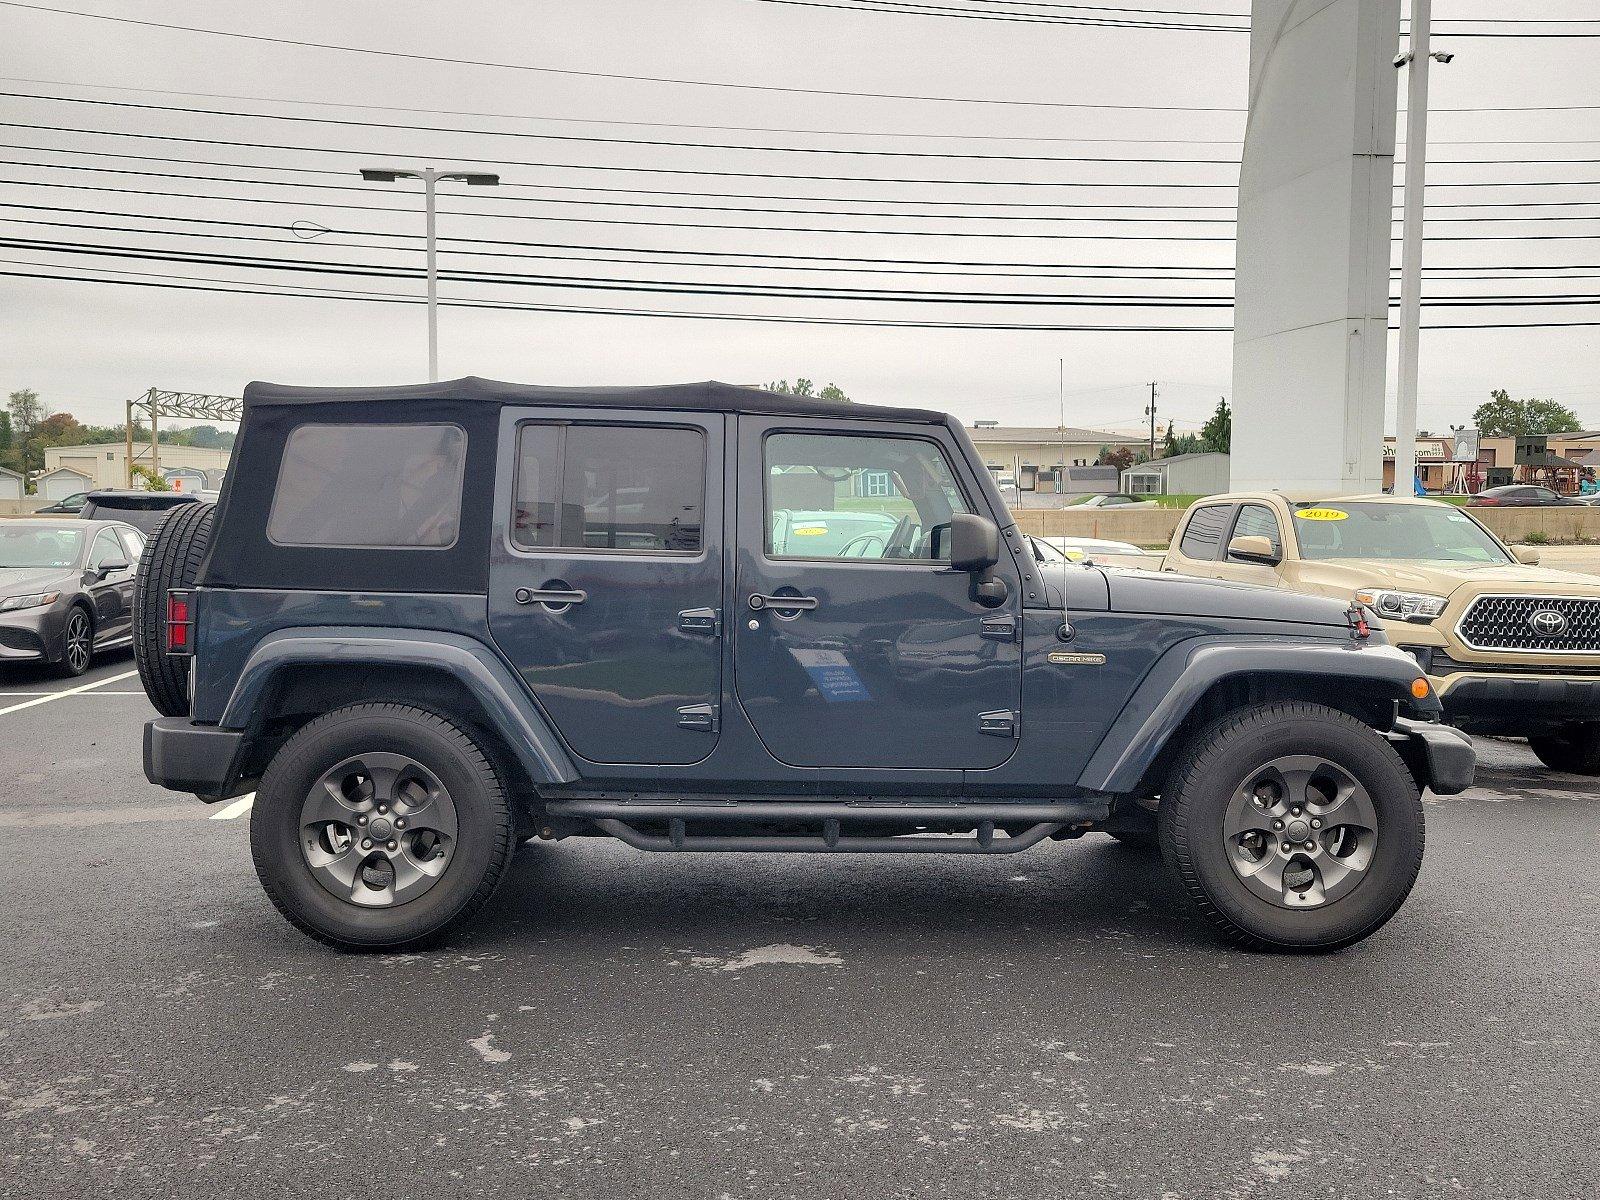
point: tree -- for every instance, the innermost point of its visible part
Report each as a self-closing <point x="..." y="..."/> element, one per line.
<point x="1502" y="416"/>
<point x="1121" y="458"/>
<point x="27" y="413"/>
<point x="5" y="437"/>
<point x="1217" y="433"/>
<point x="804" y="387"/>
<point x="152" y="481"/>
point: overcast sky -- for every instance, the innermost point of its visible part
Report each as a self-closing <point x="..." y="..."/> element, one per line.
<point x="88" y="346"/>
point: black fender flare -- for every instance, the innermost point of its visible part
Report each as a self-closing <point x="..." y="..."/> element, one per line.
<point x="1181" y="676"/>
<point x="510" y="709"/>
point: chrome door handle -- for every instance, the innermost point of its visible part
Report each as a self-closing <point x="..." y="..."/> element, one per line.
<point x="551" y="596"/>
<point x="791" y="604"/>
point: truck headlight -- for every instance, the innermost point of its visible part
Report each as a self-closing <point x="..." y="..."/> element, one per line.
<point x="1403" y="606"/>
<point x="12" y="603"/>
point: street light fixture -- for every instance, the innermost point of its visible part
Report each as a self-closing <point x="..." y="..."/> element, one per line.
<point x="430" y="178"/>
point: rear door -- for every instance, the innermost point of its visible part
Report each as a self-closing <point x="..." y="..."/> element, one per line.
<point x="606" y="587"/>
<point x="855" y="643"/>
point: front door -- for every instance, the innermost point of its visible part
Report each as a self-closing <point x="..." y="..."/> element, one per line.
<point x="112" y="591"/>
<point x="606" y="586"/>
<point x="1252" y="520"/>
<point x="855" y="643"/>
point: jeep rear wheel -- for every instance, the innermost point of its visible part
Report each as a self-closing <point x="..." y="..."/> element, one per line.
<point x="1293" y="827"/>
<point x="1575" y="750"/>
<point x="171" y="559"/>
<point x="380" y="826"/>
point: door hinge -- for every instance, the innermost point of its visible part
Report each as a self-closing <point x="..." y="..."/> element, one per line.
<point x="701" y="718"/>
<point x="1000" y="629"/>
<point x="1003" y="722"/>
<point x="707" y="621"/>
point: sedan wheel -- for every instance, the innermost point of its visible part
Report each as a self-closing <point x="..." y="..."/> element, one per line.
<point x="77" y="643"/>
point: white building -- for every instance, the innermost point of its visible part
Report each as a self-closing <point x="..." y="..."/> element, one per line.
<point x="60" y="482"/>
<point x="105" y="464"/>
<point x="10" y="485"/>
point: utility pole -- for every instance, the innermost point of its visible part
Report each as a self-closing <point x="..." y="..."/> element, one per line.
<point x="1061" y="401"/>
<point x="1152" y="413"/>
<point x="1405" y="418"/>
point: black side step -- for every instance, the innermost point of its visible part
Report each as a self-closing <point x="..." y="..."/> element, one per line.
<point x="618" y="818"/>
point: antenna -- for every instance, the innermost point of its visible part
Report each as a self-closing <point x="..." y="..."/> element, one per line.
<point x="1064" y="632"/>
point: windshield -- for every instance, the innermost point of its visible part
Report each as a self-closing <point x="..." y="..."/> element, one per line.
<point x="40" y="547"/>
<point x="1426" y="532"/>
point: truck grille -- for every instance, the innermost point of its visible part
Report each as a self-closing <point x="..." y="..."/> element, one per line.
<point x="1532" y="624"/>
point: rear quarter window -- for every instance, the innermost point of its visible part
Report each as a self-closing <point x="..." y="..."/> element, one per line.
<point x="1203" y="533"/>
<point x="369" y="486"/>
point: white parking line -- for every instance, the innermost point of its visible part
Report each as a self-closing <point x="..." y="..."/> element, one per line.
<point x="84" y="687"/>
<point x="237" y="809"/>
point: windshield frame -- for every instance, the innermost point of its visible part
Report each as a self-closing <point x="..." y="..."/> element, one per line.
<point x="1451" y="513"/>
<point x="80" y="541"/>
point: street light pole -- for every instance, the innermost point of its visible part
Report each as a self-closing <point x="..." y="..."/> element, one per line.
<point x="430" y="180"/>
<point x="1420" y="57"/>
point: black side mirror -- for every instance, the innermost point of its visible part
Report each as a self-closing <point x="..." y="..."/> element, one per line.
<point x="975" y="548"/>
<point x="974" y="542"/>
<point x="110" y="567"/>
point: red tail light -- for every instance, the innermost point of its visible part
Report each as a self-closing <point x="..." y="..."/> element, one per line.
<point x="180" y="623"/>
<point x="1486" y="501"/>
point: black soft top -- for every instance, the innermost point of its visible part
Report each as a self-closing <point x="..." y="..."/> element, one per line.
<point x="692" y="397"/>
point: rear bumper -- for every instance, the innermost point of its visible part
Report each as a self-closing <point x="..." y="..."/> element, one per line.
<point x="185" y="757"/>
<point x="1442" y="755"/>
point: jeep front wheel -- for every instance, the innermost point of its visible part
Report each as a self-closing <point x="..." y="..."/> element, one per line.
<point x="1293" y="827"/>
<point x="380" y="826"/>
<point x="1575" y="750"/>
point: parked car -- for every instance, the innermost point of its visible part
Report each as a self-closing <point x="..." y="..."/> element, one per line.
<point x="66" y="506"/>
<point x="66" y="589"/>
<point x="1117" y="500"/>
<point x="142" y="510"/>
<point x="1071" y="549"/>
<point x="1512" y="649"/>
<point x="411" y="637"/>
<point x="1519" y="495"/>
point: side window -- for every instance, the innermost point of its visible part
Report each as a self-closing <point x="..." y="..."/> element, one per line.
<point x="369" y="487"/>
<point x="610" y="487"/>
<point x="106" y="549"/>
<point x="1256" y="520"/>
<point x="134" y="541"/>
<point x="1204" y="532"/>
<point x="849" y="496"/>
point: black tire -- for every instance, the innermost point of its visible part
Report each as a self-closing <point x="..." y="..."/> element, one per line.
<point x="78" y="623"/>
<point x="1575" y="750"/>
<point x="1220" y="760"/>
<point x="484" y="835"/>
<point x="171" y="559"/>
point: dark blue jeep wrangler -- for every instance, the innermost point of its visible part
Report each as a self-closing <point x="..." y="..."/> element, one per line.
<point x="425" y="622"/>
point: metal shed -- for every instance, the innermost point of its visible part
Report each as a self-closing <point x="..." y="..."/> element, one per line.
<point x="1181" y="475"/>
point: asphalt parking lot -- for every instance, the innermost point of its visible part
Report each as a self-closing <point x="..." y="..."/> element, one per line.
<point x="618" y="1024"/>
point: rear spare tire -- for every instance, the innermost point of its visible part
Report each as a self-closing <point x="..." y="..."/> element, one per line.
<point x="171" y="559"/>
<point x="1292" y="826"/>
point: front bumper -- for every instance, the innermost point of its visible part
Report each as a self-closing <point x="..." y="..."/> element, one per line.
<point x="1443" y="756"/>
<point x="32" y="634"/>
<point x="185" y="757"/>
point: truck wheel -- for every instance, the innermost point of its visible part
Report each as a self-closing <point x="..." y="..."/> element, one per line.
<point x="1293" y="827"/>
<point x="170" y="560"/>
<point x="380" y="826"/>
<point x="1575" y="750"/>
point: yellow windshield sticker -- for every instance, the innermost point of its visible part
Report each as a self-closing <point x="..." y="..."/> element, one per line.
<point x="809" y="530"/>
<point x="1322" y="514"/>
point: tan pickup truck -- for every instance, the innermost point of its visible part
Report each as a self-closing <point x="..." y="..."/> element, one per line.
<point x="1513" y="649"/>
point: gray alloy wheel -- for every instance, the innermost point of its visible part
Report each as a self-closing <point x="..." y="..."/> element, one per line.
<point x="378" y="830"/>
<point x="1300" y="831"/>
<point x="77" y="642"/>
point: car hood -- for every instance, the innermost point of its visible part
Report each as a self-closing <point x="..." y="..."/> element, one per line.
<point x="1171" y="594"/>
<point x="1443" y="579"/>
<point x="23" y="581"/>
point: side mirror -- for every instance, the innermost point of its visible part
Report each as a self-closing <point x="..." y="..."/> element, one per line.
<point x="110" y="567"/>
<point x="974" y="543"/>
<point x="1528" y="556"/>
<point x="1253" y="548"/>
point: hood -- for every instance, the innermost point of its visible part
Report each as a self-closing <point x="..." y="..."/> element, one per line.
<point x="1442" y="579"/>
<point x="23" y="581"/>
<point x="1170" y="594"/>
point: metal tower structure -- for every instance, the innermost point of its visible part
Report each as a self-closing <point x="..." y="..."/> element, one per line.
<point x="184" y="406"/>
